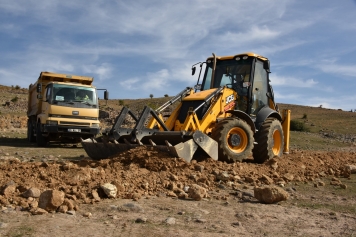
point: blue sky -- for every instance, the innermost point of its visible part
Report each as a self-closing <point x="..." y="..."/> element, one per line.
<point x="137" y="48"/>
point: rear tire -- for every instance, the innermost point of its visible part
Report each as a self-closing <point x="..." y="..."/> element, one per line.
<point x="235" y="139"/>
<point x="30" y="133"/>
<point x="270" y="141"/>
<point x="41" y="140"/>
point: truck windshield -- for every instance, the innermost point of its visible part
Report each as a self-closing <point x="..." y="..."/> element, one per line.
<point x="73" y="96"/>
<point x="228" y="72"/>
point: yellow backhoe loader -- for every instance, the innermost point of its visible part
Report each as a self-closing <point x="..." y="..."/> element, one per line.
<point x="231" y="115"/>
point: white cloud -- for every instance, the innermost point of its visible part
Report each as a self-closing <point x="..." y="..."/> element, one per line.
<point x="130" y="84"/>
<point x="337" y="69"/>
<point x="277" y="80"/>
<point x="103" y="71"/>
<point x="152" y="82"/>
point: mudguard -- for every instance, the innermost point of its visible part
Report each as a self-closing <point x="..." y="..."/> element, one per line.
<point x="265" y="113"/>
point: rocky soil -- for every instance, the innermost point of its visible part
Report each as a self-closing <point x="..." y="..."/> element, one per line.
<point x="53" y="187"/>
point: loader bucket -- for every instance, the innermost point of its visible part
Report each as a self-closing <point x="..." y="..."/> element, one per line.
<point x="184" y="146"/>
<point x="101" y="150"/>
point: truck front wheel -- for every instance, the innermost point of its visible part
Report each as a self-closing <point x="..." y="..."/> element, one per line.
<point x="30" y="132"/>
<point x="40" y="139"/>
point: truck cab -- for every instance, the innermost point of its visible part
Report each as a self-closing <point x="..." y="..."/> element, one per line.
<point x="62" y="108"/>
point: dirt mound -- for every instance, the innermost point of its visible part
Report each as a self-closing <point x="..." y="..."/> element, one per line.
<point x="143" y="172"/>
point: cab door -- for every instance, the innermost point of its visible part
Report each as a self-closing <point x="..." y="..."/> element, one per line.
<point x="259" y="97"/>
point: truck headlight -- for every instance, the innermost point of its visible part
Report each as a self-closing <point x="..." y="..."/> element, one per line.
<point x="95" y="125"/>
<point x="51" y="122"/>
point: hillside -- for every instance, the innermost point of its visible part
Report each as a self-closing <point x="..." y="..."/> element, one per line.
<point x="325" y="126"/>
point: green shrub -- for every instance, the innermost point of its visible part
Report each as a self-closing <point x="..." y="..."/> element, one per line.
<point x="121" y="102"/>
<point x="17" y="87"/>
<point x="296" y="125"/>
<point x="153" y="106"/>
<point x="15" y="99"/>
<point x="166" y="95"/>
<point x="305" y="116"/>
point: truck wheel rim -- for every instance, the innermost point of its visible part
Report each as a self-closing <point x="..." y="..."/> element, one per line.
<point x="237" y="140"/>
<point x="277" y="141"/>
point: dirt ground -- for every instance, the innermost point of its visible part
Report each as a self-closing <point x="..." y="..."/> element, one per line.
<point x="149" y="201"/>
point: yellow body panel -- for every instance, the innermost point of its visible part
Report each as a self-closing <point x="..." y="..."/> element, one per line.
<point x="217" y="109"/>
<point x="59" y="77"/>
<point x="199" y="96"/>
<point x="64" y="113"/>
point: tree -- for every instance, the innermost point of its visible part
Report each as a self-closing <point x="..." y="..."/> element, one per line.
<point x="151" y="96"/>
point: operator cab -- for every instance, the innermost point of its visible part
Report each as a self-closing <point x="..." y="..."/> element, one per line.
<point x="247" y="74"/>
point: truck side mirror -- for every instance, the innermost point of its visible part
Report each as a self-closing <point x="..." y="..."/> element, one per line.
<point x="106" y="95"/>
<point x="193" y="70"/>
<point x="39" y="87"/>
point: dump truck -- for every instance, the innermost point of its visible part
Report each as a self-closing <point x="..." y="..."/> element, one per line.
<point x="62" y="107"/>
<point x="230" y="116"/>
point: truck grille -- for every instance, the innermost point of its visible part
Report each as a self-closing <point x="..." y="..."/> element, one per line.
<point x="72" y="117"/>
<point x="73" y="123"/>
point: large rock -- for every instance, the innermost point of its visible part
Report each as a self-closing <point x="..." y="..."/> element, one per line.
<point x="38" y="211"/>
<point x="266" y="179"/>
<point x="109" y="189"/>
<point x="197" y="192"/>
<point x="9" y="190"/>
<point x="351" y="168"/>
<point x="50" y="200"/>
<point x="223" y="176"/>
<point x="95" y="195"/>
<point x="32" y="192"/>
<point x="270" y="194"/>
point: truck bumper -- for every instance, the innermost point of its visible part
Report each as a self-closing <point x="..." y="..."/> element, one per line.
<point x="70" y="130"/>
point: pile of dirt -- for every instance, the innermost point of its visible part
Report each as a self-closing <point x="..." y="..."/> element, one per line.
<point x="144" y="172"/>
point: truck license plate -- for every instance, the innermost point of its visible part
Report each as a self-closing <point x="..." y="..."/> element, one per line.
<point x="74" y="130"/>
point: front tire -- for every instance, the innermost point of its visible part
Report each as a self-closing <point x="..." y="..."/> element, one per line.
<point x="30" y="133"/>
<point x="40" y="139"/>
<point x="235" y="139"/>
<point x="270" y="141"/>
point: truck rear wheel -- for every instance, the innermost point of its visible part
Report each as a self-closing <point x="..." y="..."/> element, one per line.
<point x="235" y="139"/>
<point x="41" y="140"/>
<point x="30" y="133"/>
<point x="270" y="141"/>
